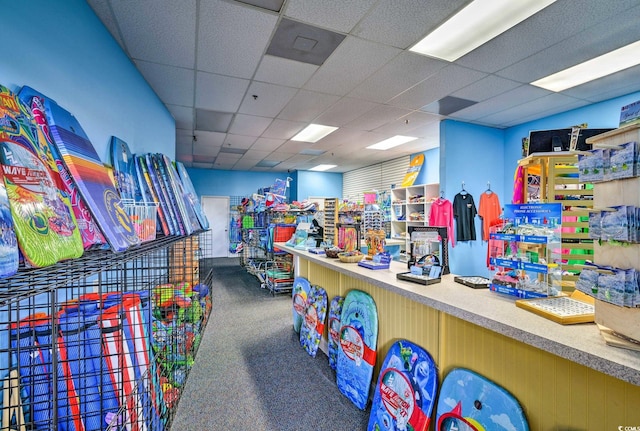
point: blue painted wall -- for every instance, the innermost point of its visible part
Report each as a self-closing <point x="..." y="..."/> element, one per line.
<point x="61" y="49"/>
<point x="430" y="172"/>
<point x="473" y="155"/>
<point x="319" y="184"/>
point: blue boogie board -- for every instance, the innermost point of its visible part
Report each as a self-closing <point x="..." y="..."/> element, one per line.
<point x="358" y="342"/>
<point x="333" y="341"/>
<point x="89" y="173"/>
<point x="406" y="392"/>
<point x="314" y="319"/>
<point x="299" y="295"/>
<point x="470" y="402"/>
<point x="186" y="208"/>
<point x="191" y="195"/>
<point x="124" y="170"/>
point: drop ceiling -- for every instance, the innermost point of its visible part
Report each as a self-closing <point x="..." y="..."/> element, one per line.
<point x="238" y="97"/>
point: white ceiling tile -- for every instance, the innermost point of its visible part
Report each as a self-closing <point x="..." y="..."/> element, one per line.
<point x="597" y="40"/>
<point x="267" y="144"/>
<point x="226" y="164"/>
<point x="160" y="31"/>
<point x="183" y="116"/>
<point x="210" y="138"/>
<point x="344" y="110"/>
<point x="227" y="157"/>
<point x="402" y="24"/>
<point x="405" y="125"/>
<point x="552" y="102"/>
<point x="557" y="22"/>
<point x="204" y="149"/>
<point x="285" y="72"/>
<point x="342" y="136"/>
<point x="103" y="10"/>
<point x="244" y="164"/>
<point x="219" y="93"/>
<point x="486" y="88"/>
<point x="254" y="155"/>
<point x="307" y="105"/>
<point x="239" y="141"/>
<point x="173" y="85"/>
<point x="338" y="16"/>
<point x="283" y="129"/>
<point x="270" y="99"/>
<point x="445" y="81"/>
<point x="294" y="147"/>
<point x="232" y="38"/>
<point x="249" y="125"/>
<point x="400" y="74"/>
<point x="618" y="84"/>
<point x="501" y="102"/>
<point x="354" y="60"/>
<point x="378" y="116"/>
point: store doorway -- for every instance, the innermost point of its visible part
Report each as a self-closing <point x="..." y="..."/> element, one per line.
<point x="216" y="208"/>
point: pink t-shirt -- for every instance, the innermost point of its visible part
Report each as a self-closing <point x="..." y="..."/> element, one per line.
<point x="441" y="214"/>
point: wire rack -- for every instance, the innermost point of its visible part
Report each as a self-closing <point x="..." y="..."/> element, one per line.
<point x="105" y="341"/>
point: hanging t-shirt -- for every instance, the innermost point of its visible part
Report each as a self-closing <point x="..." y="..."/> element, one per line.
<point x="464" y="213"/>
<point x="489" y="210"/>
<point x="441" y="214"/>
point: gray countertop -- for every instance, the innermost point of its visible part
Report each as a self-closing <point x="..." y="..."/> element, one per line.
<point x="580" y="343"/>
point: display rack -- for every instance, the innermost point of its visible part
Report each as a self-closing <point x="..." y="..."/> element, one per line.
<point x="330" y="220"/>
<point x="553" y="178"/>
<point x="411" y="206"/>
<point x="107" y="338"/>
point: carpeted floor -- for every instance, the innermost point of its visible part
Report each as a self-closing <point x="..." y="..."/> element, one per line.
<point x="251" y="373"/>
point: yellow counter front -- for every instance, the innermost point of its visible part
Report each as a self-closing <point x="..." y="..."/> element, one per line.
<point x="565" y="377"/>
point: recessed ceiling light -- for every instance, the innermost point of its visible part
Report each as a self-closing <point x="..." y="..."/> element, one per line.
<point x="321" y="168"/>
<point x="391" y="142"/>
<point x="606" y="64"/>
<point x="479" y="22"/>
<point x="313" y="133"/>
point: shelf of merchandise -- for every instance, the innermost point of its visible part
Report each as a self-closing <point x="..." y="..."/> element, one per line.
<point x="104" y="337"/>
<point x="330" y="220"/>
<point x="557" y="176"/>
<point x="410" y="206"/>
<point x="622" y="320"/>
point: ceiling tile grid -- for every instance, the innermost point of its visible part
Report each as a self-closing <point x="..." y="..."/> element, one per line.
<point x="207" y="61"/>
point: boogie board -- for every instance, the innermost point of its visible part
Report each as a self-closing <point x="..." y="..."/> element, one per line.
<point x="470" y="402"/>
<point x="163" y="196"/>
<point x="184" y="206"/>
<point x="151" y="193"/>
<point x="299" y="295"/>
<point x="406" y="392"/>
<point x="415" y="166"/>
<point x="358" y="342"/>
<point x="90" y="175"/>
<point x="124" y="170"/>
<point x="9" y="256"/>
<point x="89" y="230"/>
<point x="44" y="223"/>
<point x="333" y="342"/>
<point x="191" y="195"/>
<point x="314" y="319"/>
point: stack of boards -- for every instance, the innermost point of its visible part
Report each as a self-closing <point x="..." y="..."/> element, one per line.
<point x="57" y="199"/>
<point x="406" y="393"/>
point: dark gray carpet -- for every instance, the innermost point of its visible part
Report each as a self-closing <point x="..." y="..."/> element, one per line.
<point x="251" y="373"/>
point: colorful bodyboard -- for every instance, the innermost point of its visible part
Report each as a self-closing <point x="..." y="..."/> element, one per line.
<point x="185" y="207"/>
<point x="150" y="190"/>
<point x="333" y="339"/>
<point x="314" y="320"/>
<point x="358" y="342"/>
<point x="161" y="191"/>
<point x="124" y="171"/>
<point x="89" y="230"/>
<point x="89" y="174"/>
<point x="299" y="295"/>
<point x="415" y="166"/>
<point x="9" y="256"/>
<point x="470" y="402"/>
<point x="44" y="223"/>
<point x="191" y="195"/>
<point x="406" y="392"/>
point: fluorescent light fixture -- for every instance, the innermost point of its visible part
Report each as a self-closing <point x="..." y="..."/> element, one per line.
<point x="479" y="22"/>
<point x="321" y="168"/>
<point x="606" y="64"/>
<point x="313" y="133"/>
<point x="391" y="142"/>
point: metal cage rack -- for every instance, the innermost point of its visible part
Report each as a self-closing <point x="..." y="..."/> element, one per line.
<point x="105" y="341"/>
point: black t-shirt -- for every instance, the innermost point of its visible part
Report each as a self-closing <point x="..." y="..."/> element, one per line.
<point x="464" y="213"/>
